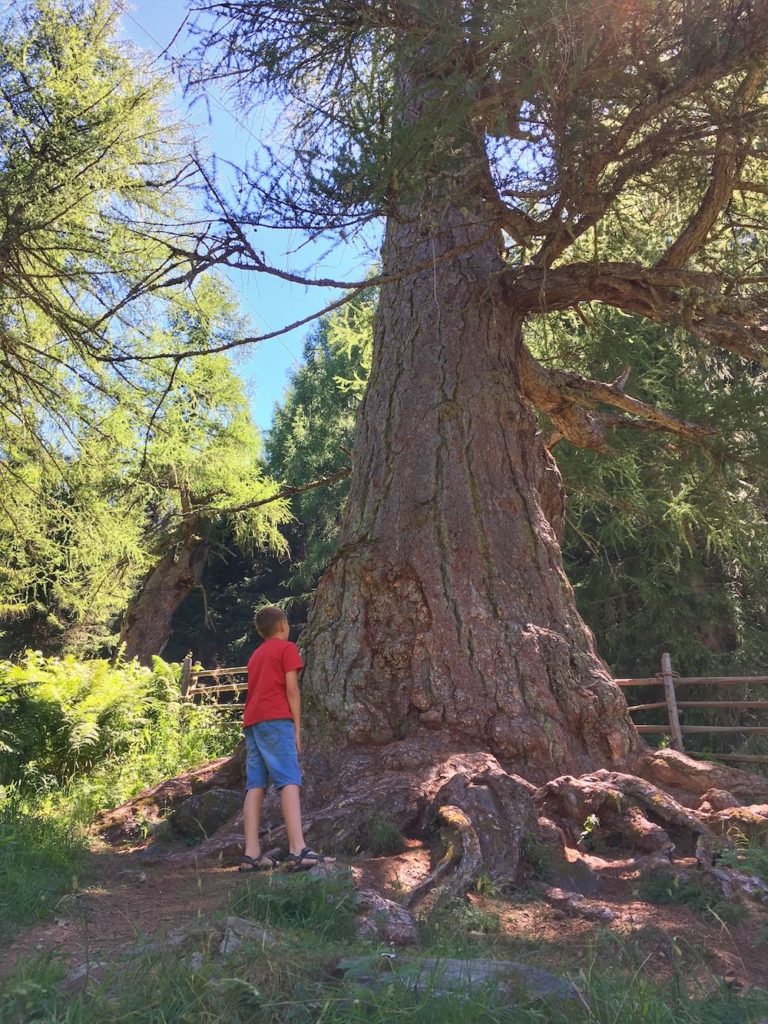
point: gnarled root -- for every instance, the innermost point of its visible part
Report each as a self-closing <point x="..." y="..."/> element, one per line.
<point x="626" y="807"/>
<point x="691" y="779"/>
<point x="484" y="814"/>
<point x="485" y="817"/>
<point x="459" y="865"/>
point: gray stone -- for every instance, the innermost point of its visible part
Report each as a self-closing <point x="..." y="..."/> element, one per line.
<point x="196" y="932"/>
<point x="198" y="817"/>
<point x="574" y="903"/>
<point x="383" y="920"/>
<point x="507" y="977"/>
<point x="131" y="876"/>
<point x="329" y="871"/>
<point x="80" y="977"/>
<point x="195" y="962"/>
<point x="239" y="932"/>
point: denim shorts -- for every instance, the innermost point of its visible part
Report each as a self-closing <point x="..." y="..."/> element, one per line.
<point x="271" y="754"/>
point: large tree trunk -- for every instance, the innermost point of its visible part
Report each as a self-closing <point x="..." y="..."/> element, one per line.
<point x="146" y="626"/>
<point x="447" y="666"/>
<point x="447" y="607"/>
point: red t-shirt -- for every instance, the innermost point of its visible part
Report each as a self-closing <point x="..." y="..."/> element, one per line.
<point x="267" y="666"/>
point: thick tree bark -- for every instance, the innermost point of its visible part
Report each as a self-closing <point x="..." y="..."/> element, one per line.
<point x="447" y="607"/>
<point x="146" y="625"/>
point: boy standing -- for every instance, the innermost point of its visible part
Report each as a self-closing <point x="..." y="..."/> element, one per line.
<point x="272" y="727"/>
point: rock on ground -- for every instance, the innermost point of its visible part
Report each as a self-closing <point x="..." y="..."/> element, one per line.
<point x="383" y="920"/>
<point x="442" y="976"/>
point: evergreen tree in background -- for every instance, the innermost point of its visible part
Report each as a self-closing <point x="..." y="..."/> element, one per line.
<point x="312" y="435"/>
<point x="106" y="450"/>
<point x="310" y="439"/>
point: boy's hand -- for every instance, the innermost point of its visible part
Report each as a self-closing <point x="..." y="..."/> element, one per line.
<point x="298" y="741"/>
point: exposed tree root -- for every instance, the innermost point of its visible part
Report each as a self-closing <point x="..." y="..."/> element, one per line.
<point x="680" y="774"/>
<point x="625" y="807"/>
<point x="483" y="814"/>
<point x="122" y="823"/>
<point x="462" y="854"/>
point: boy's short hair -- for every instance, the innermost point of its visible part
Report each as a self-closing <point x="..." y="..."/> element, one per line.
<point x="267" y="619"/>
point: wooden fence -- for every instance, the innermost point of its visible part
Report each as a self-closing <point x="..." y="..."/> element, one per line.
<point x="194" y="683"/>
<point x="209" y="681"/>
<point x="670" y="680"/>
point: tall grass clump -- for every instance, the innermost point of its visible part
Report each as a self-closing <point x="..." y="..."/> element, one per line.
<point x="324" y="906"/>
<point x="40" y="858"/>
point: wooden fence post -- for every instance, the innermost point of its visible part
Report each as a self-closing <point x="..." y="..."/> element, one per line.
<point x="669" y="694"/>
<point x="186" y="674"/>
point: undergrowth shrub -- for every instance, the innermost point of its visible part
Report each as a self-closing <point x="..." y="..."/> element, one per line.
<point x="472" y="918"/>
<point x="100" y="731"/>
<point x="76" y="738"/>
<point x="382" y="837"/>
<point x="669" y="887"/>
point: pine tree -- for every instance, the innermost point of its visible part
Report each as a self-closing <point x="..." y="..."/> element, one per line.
<point x="93" y="189"/>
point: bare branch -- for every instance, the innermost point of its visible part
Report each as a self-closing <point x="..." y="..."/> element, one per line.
<point x="570" y="401"/>
<point x="691" y="300"/>
<point x="730" y="156"/>
<point x="752" y="186"/>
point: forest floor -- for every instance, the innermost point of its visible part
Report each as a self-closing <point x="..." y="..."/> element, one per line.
<point x="128" y="901"/>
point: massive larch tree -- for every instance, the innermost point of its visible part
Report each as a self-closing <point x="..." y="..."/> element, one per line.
<point x="526" y="157"/>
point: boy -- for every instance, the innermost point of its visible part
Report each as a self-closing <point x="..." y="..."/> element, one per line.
<point x="272" y="727"/>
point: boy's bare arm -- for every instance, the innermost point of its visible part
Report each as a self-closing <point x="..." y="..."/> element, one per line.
<point x="294" y="702"/>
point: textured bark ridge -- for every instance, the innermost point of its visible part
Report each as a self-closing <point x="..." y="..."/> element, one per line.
<point x="447" y="607"/>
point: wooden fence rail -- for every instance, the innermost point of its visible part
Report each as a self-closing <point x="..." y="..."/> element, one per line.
<point x="196" y="683"/>
<point x="191" y="685"/>
<point x="671" y="681"/>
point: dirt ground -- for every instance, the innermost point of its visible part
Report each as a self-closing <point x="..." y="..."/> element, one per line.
<point x="127" y="901"/>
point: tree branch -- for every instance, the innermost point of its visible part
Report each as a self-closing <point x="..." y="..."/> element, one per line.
<point x="570" y="401"/>
<point x="689" y="300"/>
<point x="730" y="156"/>
<point x="286" y="492"/>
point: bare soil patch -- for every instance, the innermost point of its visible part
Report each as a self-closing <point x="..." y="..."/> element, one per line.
<point x="126" y="901"/>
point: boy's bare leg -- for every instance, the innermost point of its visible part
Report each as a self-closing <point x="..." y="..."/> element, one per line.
<point x="254" y="798"/>
<point x="290" y="802"/>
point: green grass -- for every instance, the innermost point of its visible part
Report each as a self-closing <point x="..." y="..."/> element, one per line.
<point x="382" y="837"/>
<point x="292" y="985"/>
<point x="41" y="856"/>
<point x="324" y="906"/>
<point x="292" y="979"/>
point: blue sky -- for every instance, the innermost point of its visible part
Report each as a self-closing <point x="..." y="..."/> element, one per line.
<point x="267" y="301"/>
